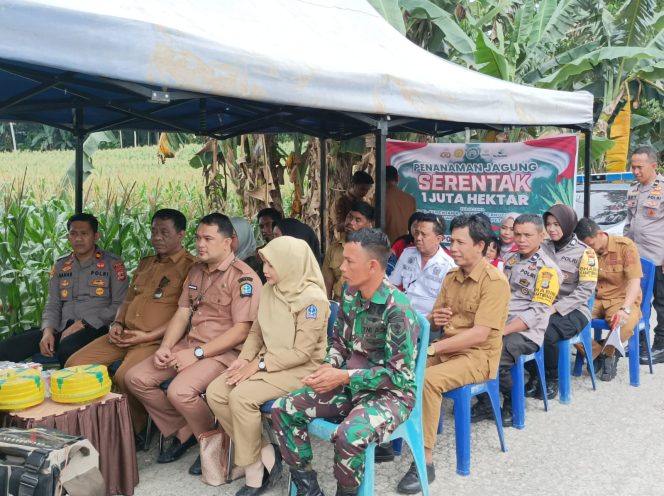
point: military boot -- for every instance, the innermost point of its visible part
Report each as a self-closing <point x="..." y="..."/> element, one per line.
<point x="346" y="491"/>
<point x="306" y="482"/>
<point x="657" y="351"/>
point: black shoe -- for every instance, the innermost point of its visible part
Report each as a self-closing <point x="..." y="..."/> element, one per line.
<point x="598" y="364"/>
<point x="533" y="387"/>
<point x="384" y="453"/>
<point x="610" y="368"/>
<point x="305" y="481"/>
<point x="657" y="356"/>
<point x="481" y="410"/>
<point x="195" y="468"/>
<point x="346" y="491"/>
<point x="176" y="450"/>
<point x="551" y="388"/>
<point x="506" y="413"/>
<point x="250" y="491"/>
<point x="140" y="439"/>
<point x="277" y="469"/>
<point x="410" y="483"/>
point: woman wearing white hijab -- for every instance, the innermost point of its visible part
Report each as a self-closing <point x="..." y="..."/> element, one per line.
<point x="287" y="342"/>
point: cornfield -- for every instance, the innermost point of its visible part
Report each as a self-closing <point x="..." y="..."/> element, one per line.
<point x="126" y="187"/>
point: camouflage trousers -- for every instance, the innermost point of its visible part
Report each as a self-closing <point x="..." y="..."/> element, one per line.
<point x="368" y="417"/>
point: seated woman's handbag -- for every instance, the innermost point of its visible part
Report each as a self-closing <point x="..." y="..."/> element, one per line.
<point x="47" y="462"/>
<point x="216" y="456"/>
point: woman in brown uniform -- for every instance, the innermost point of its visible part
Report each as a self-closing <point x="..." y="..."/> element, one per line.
<point x="286" y="342"/>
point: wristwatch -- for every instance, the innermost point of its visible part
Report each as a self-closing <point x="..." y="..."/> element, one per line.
<point x="628" y="311"/>
<point x="117" y="322"/>
<point x="199" y="353"/>
<point x="431" y="351"/>
<point x="261" y="364"/>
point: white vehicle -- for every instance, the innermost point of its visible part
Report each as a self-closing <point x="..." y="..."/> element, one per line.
<point x="608" y="205"/>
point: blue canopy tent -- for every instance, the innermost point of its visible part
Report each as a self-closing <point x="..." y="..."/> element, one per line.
<point x="332" y="69"/>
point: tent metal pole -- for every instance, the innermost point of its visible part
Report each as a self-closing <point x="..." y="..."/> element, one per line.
<point x="588" y="133"/>
<point x="381" y="141"/>
<point x="323" y="194"/>
<point x="80" y="139"/>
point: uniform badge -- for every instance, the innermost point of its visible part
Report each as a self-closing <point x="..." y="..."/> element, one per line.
<point x="546" y="286"/>
<point x="411" y="260"/>
<point x="52" y="272"/>
<point x="246" y="290"/>
<point x="65" y="283"/>
<point x="511" y="261"/>
<point x="101" y="265"/>
<point x="312" y="312"/>
<point x="651" y="212"/>
<point x="524" y="291"/>
<point x="98" y="282"/>
<point x="532" y="266"/>
<point x="100" y="291"/>
<point x="64" y="293"/>
<point x="193" y="287"/>
<point x="523" y="282"/>
<point x="436" y="271"/>
<point x="98" y="255"/>
<point x="66" y="267"/>
<point x="120" y="271"/>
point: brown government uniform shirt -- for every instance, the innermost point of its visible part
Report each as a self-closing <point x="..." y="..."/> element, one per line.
<point x="618" y="265"/>
<point x="480" y="298"/>
<point x="226" y="296"/>
<point x="155" y="289"/>
<point x="334" y="257"/>
<point x="399" y="206"/>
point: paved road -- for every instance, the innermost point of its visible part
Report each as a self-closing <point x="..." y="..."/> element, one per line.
<point x="609" y="441"/>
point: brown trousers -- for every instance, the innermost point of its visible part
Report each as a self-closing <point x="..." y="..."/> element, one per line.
<point x="440" y="377"/>
<point x="606" y="310"/>
<point x="238" y="410"/>
<point x="181" y="404"/>
<point x="103" y="352"/>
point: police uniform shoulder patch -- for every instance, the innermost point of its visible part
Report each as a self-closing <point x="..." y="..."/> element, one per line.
<point x="312" y="312"/>
<point x="120" y="271"/>
<point x="588" y="267"/>
<point x="52" y="272"/>
<point x="546" y="286"/>
<point x="246" y="290"/>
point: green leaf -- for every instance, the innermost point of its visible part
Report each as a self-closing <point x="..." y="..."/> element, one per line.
<point x="490" y="59"/>
<point x="526" y="22"/>
<point x="196" y="162"/>
<point x="391" y="12"/>
<point x="545" y="11"/>
<point x="638" y="120"/>
<point x="633" y="20"/>
<point x="443" y="20"/>
<point x="589" y="61"/>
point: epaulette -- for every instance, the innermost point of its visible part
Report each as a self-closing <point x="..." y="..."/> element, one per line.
<point x="494" y="273"/>
<point x="535" y="257"/>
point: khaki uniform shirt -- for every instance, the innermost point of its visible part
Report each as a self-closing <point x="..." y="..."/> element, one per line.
<point x="399" y="206"/>
<point x="331" y="267"/>
<point x="645" y="219"/>
<point x="617" y="266"/>
<point x="580" y="267"/>
<point x="91" y="290"/>
<point x="155" y="289"/>
<point x="534" y="283"/>
<point x="219" y="299"/>
<point x="287" y="368"/>
<point x="480" y="298"/>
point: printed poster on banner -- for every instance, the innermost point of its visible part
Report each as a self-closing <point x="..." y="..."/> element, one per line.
<point x="449" y="179"/>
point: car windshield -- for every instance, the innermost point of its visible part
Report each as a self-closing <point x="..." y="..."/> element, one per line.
<point x="606" y="207"/>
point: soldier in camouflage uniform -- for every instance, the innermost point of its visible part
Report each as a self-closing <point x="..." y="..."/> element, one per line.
<point x="534" y="283"/>
<point x="368" y="378"/>
<point x="570" y="313"/>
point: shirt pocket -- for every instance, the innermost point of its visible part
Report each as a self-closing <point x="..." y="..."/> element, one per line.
<point x="98" y="286"/>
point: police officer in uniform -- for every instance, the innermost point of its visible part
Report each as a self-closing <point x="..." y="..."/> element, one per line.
<point x="216" y="309"/>
<point x="534" y="281"/>
<point x="645" y="226"/>
<point x="374" y="338"/>
<point x="86" y="288"/>
<point x="472" y="306"/>
<point x="570" y="313"/>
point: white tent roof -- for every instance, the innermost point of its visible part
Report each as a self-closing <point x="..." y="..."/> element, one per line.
<point x="323" y="54"/>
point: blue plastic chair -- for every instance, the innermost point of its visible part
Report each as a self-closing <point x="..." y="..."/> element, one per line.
<point x="642" y="326"/>
<point x="519" y="387"/>
<point x="461" y="397"/>
<point x="565" y="357"/>
<point x="410" y="430"/>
